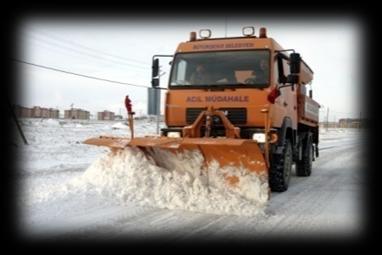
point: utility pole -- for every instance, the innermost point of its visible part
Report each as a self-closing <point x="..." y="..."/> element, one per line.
<point x="327" y="118"/>
<point x="335" y="121"/>
<point x="225" y="26"/>
<point x="359" y="123"/>
<point x="14" y="117"/>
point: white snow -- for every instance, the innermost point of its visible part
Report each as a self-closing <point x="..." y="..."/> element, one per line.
<point x="120" y="125"/>
<point x="130" y="176"/>
<point x="69" y="185"/>
<point x="51" y="122"/>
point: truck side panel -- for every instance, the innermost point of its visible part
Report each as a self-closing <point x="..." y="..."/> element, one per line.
<point x="307" y="110"/>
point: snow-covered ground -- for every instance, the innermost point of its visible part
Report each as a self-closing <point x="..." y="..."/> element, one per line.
<point x="68" y="187"/>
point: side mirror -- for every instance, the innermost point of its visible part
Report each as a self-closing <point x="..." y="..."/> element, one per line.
<point x="282" y="79"/>
<point x="292" y="78"/>
<point x="155" y="67"/>
<point x="295" y="63"/>
<point x="155" y="82"/>
<point x="155" y="72"/>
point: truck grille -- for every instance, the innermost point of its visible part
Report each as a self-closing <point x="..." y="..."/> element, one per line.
<point x="235" y="115"/>
<point x="192" y="114"/>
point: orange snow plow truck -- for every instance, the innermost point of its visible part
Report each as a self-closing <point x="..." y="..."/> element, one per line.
<point x="240" y="101"/>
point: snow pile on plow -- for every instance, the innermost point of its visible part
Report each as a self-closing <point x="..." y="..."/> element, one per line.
<point x="131" y="176"/>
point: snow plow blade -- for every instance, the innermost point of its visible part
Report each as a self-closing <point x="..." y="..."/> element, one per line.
<point x="227" y="152"/>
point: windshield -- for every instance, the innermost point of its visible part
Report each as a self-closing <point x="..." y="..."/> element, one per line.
<point x="245" y="68"/>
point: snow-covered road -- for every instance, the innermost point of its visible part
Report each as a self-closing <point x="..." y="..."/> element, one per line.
<point x="51" y="205"/>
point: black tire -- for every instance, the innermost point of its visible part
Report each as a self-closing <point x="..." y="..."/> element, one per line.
<point x="304" y="166"/>
<point x="281" y="168"/>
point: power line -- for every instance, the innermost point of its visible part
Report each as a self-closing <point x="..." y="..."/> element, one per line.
<point x="77" y="74"/>
<point x="92" y="55"/>
<point x="60" y="39"/>
<point x="104" y="63"/>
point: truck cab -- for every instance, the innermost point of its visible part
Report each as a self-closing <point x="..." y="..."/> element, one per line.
<point x="243" y="77"/>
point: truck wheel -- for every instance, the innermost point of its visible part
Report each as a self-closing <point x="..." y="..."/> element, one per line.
<point x="281" y="168"/>
<point x="304" y="166"/>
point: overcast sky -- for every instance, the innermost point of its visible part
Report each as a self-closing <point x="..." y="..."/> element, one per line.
<point x="122" y="50"/>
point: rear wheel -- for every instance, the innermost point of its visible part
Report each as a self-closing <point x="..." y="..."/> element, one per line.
<point x="304" y="166"/>
<point x="281" y="168"/>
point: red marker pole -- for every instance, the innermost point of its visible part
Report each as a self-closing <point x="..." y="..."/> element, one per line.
<point x="130" y="114"/>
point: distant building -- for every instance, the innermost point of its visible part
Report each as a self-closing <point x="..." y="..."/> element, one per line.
<point x="345" y="123"/>
<point x="23" y="112"/>
<point x="54" y="113"/>
<point x="350" y="123"/>
<point x="328" y="124"/>
<point x="36" y="112"/>
<point x="77" y="114"/>
<point x="39" y="112"/>
<point x="106" y="115"/>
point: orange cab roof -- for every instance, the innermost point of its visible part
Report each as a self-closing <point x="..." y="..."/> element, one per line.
<point x="217" y="44"/>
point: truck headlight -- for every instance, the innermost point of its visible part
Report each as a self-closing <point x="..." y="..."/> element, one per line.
<point x="173" y="134"/>
<point x="259" y="137"/>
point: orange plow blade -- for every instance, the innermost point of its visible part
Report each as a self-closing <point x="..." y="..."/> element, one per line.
<point x="227" y="152"/>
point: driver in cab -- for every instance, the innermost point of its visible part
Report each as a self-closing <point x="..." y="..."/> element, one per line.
<point x="259" y="76"/>
<point x="200" y="76"/>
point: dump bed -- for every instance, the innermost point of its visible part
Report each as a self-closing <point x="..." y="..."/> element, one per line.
<point x="306" y="73"/>
<point x="307" y="110"/>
